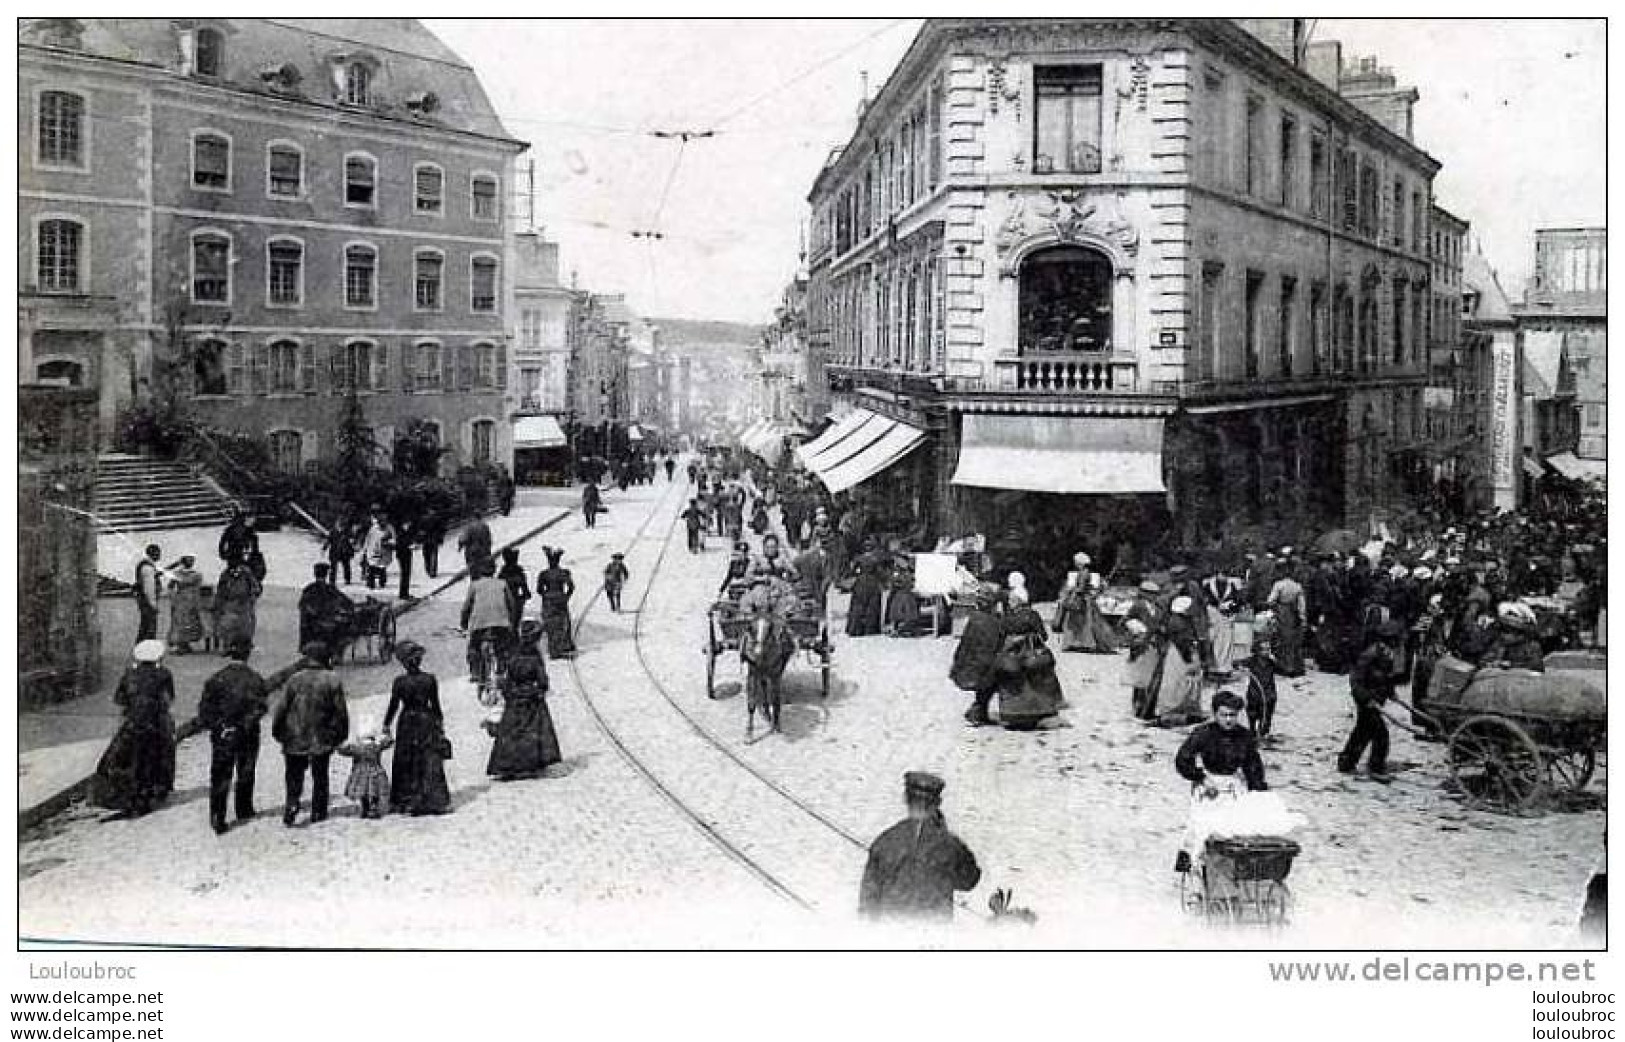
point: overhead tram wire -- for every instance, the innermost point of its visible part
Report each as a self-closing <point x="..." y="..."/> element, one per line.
<point x="808" y="71"/>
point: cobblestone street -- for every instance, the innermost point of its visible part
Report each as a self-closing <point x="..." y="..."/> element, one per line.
<point x="1081" y="821"/>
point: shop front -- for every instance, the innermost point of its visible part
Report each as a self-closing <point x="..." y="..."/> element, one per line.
<point x="541" y="452"/>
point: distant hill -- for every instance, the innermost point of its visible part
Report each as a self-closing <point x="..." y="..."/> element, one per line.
<point x="704" y="333"/>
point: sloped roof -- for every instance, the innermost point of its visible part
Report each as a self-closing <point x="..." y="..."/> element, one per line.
<point x="411" y="61"/>
<point x="1477" y="275"/>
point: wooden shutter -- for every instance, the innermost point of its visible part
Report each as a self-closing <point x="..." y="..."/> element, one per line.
<point x="307" y="368"/>
<point x="259" y="369"/>
<point x="465" y="367"/>
<point x="448" y="367"/>
<point x="502" y="367"/>
<point x="409" y="364"/>
<point x="335" y="368"/>
<point x="380" y="366"/>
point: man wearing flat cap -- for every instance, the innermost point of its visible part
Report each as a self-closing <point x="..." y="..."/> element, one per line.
<point x="233" y="701"/>
<point x="311" y="720"/>
<point x="1371" y="683"/>
<point x="916" y="865"/>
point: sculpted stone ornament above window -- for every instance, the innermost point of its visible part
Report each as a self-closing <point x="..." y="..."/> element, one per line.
<point x="1070" y="218"/>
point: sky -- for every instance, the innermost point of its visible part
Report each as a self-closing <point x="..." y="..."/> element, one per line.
<point x="1514" y="110"/>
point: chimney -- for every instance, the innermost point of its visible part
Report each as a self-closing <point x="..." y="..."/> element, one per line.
<point x="1374" y="91"/>
<point x="1324" y="61"/>
<point x="1284" y="36"/>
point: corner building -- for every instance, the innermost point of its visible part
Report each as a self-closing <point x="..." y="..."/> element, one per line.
<point x="260" y="216"/>
<point x="1125" y="286"/>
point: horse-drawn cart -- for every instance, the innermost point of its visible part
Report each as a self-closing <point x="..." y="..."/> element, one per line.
<point x="1516" y="735"/>
<point x="731" y="627"/>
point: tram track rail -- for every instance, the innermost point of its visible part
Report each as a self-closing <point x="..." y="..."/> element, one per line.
<point x="723" y="835"/>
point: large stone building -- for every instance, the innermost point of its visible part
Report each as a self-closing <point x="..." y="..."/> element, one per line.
<point x="1487" y="322"/>
<point x="1456" y="402"/>
<point x="253" y="218"/>
<point x="1125" y="282"/>
<point x="1567" y="296"/>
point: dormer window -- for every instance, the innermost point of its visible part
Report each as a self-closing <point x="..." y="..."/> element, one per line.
<point x="357" y="84"/>
<point x="210" y="53"/>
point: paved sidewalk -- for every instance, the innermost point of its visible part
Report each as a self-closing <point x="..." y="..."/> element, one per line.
<point x="59" y="745"/>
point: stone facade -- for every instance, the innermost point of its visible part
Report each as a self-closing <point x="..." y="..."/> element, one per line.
<point x="277" y="213"/>
<point x="1252" y="247"/>
<point x="541" y="356"/>
<point x="1568" y="294"/>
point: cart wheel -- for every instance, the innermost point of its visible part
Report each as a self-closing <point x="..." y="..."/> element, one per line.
<point x="1496" y="764"/>
<point x="1274" y="904"/>
<point x="386" y="635"/>
<point x="1571" y="769"/>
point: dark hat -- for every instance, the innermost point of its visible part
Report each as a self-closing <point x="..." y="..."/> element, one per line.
<point x="530" y="631"/>
<point x="617" y="556"/>
<point x="920" y="783"/>
<point x="408" y="651"/>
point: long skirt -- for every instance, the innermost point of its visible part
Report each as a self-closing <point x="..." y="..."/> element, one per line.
<point x="418" y="785"/>
<point x="863" y="612"/>
<point x="137" y="771"/>
<point x="1144" y="662"/>
<point x="186" y="616"/>
<point x="235" y="622"/>
<point x="526" y="743"/>
<point x="1026" y="699"/>
<point x="556" y="623"/>
<point x="1289" y="640"/>
<point x="1083" y="627"/>
<point x="1222" y="629"/>
<point x="1179" y="688"/>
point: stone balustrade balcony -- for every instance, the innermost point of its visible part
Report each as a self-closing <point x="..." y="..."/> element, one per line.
<point x="1068" y="373"/>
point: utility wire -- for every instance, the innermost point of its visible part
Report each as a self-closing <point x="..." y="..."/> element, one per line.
<point x="808" y="71"/>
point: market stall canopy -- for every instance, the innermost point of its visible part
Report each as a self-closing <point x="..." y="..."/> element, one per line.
<point x="1066" y="454"/>
<point x="634" y="433"/>
<point x="538" y="432"/>
<point x="1576" y="469"/>
<point x="894" y="441"/>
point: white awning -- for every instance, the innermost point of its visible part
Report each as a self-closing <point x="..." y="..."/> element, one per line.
<point x="1066" y="454"/>
<point x="1532" y="469"/>
<point x="634" y="433"/>
<point x="767" y="441"/>
<point x="1576" y="469"/>
<point x="538" y="432"/>
<point x="859" y="431"/>
<point x="898" y="441"/>
<point x="842" y="426"/>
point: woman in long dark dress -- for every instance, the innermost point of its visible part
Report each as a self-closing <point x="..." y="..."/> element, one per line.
<point x="418" y="782"/>
<point x="137" y="772"/>
<point x="1077" y="616"/>
<point x="863" y="611"/>
<point x="554" y="587"/>
<point x="526" y="743"/>
<point x="513" y="573"/>
<point x="1027" y="697"/>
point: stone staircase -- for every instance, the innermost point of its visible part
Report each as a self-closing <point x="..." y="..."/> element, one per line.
<point x="137" y="494"/>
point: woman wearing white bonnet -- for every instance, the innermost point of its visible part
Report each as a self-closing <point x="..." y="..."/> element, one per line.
<point x="1077" y="617"/>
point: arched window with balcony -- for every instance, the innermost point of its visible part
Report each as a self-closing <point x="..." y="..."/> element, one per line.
<point x="1065" y="301"/>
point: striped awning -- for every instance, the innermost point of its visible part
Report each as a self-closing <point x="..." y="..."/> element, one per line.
<point x="864" y="444"/>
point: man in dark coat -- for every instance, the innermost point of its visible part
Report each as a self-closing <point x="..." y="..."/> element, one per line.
<point x="974" y="668"/>
<point x="239" y="539"/>
<point x="233" y="701"/>
<point x="916" y="865"/>
<point x="148" y="588"/>
<point x="475" y="543"/>
<point x="310" y="721"/>
<point x="1371" y="683"/>
<point x="323" y="611"/>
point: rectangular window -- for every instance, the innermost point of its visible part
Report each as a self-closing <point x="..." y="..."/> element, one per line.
<point x="211" y="270"/>
<point x="483" y="285"/>
<point x="1398" y="305"/>
<point x="285" y="261"/>
<point x="428" y="367"/>
<point x="1419" y="215"/>
<point x="1253" y="145"/>
<point x="1317" y="328"/>
<point x="934" y="137"/>
<point x="284" y="367"/>
<point x="360" y="181"/>
<point x="1369" y="201"/>
<point x="211" y="162"/>
<point x="59" y="248"/>
<point x="1066" y="125"/>
<point x="430" y="184"/>
<point x="61" y="129"/>
<point x="1286" y="194"/>
<point x="1400" y="224"/>
<point x="1283" y="328"/>
<point x="1254" y="325"/>
<point x="1319" y="183"/>
<point x="360" y="277"/>
<point x="286" y="173"/>
<point x="484" y="193"/>
<point x="481" y="440"/>
<point x="427" y="280"/>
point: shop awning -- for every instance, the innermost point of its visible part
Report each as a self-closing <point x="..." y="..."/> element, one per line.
<point x="1576" y="469"/>
<point x="1532" y="469"/>
<point x="864" y="429"/>
<point x="897" y="441"/>
<point x="538" y="432"/>
<point x="1066" y="454"/>
<point x="842" y="426"/>
<point x="634" y="433"/>
<point x="766" y="440"/>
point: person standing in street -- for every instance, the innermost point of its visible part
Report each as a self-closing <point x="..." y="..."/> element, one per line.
<point x="376" y="549"/>
<point x="310" y="721"/>
<point x="513" y="573"/>
<point x="340" y="544"/>
<point x="185" y="606"/>
<point x="433" y="534"/>
<point x="525" y="742"/>
<point x="1371" y="683"/>
<point x="615" y="576"/>
<point x="149" y="587"/>
<point x="405" y="536"/>
<point x="671" y="469"/>
<point x="324" y="611"/>
<point x="591" y="501"/>
<point x="475" y="543"/>
<point x="694" y="520"/>
<point x="235" y="594"/>
<point x="915" y="866"/>
<point x="554" y="587"/>
<point x="239" y="540"/>
<point x="233" y="701"/>
<point x="418" y="785"/>
<point x="137" y="771"/>
<point x="974" y="667"/>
